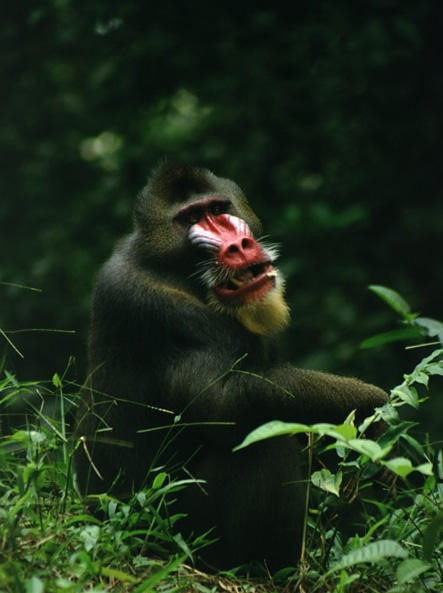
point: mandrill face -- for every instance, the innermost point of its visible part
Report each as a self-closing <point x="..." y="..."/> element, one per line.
<point x="240" y="275"/>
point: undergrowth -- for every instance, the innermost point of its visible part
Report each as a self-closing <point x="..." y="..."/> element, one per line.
<point x="374" y="516"/>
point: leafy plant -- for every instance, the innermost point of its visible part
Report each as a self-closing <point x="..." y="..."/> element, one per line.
<point x="395" y="478"/>
<point x="374" y="515"/>
<point x="49" y="542"/>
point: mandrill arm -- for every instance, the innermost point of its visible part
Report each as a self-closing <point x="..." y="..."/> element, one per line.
<point x="250" y="397"/>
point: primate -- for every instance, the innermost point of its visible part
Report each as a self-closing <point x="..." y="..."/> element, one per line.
<point x="183" y="364"/>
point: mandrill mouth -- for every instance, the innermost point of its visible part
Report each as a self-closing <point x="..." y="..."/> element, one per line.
<point x="247" y="283"/>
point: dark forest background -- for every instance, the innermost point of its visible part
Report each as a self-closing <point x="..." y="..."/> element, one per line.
<point x="327" y="113"/>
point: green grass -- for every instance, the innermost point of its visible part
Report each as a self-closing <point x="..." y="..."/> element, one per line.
<point x="374" y="518"/>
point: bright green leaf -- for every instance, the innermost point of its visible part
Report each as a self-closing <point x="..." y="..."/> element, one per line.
<point x="327" y="429"/>
<point x="118" y="574"/>
<point x="434" y="354"/>
<point x="159" y="480"/>
<point x="82" y="518"/>
<point x="11" y="379"/>
<point x="272" y="429"/>
<point x="425" y="468"/>
<point x="367" y="447"/>
<point x="400" y="466"/>
<point x="347" y="431"/>
<point x="435" y="368"/>
<point x="56" y="381"/>
<point x="24" y="436"/>
<point x="34" y="585"/>
<point x="327" y="481"/>
<point x="406" y="394"/>
<point x="421" y="378"/>
<point x="277" y="428"/>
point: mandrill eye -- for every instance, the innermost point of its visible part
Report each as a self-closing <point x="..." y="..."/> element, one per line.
<point x="194" y="216"/>
<point x="217" y="208"/>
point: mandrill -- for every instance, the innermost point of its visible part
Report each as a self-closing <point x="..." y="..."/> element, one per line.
<point x="184" y="322"/>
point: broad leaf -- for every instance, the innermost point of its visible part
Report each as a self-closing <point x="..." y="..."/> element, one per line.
<point x="393" y="299"/>
<point x="327" y="481"/>
<point x="425" y="468"/>
<point x="400" y="466"/>
<point x="432" y="327"/>
<point x="367" y="447"/>
<point x="410" y="569"/>
<point x="408" y="395"/>
<point x="272" y="429"/>
<point x="34" y="585"/>
<point x="277" y="428"/>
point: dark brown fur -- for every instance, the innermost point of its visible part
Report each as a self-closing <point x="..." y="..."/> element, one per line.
<point x="156" y="345"/>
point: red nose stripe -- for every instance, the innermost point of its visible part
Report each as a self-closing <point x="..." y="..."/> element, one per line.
<point x="231" y="235"/>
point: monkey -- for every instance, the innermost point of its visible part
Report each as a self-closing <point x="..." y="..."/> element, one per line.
<point x="183" y="363"/>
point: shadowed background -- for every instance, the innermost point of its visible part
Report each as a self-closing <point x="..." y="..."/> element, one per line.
<point x="329" y="116"/>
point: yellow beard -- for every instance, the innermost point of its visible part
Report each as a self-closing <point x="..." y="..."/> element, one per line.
<point x="266" y="316"/>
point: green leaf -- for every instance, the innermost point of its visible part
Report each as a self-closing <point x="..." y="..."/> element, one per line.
<point x="159" y="480"/>
<point x="34" y="585"/>
<point x="346" y="580"/>
<point x="400" y="466"/>
<point x="277" y="428"/>
<point x="372" y="553"/>
<point x="327" y="481"/>
<point x="388" y="413"/>
<point x="26" y="436"/>
<point x="56" y="381"/>
<point x="425" y="468"/>
<point x="334" y="431"/>
<point x="395" y="335"/>
<point x="413" y="446"/>
<point x="367" y="447"/>
<point x="421" y="378"/>
<point x="118" y="574"/>
<point x="432" y="327"/>
<point x="435" y="369"/>
<point x="182" y="544"/>
<point x="11" y="379"/>
<point x="406" y="394"/>
<point x="432" y="536"/>
<point x="82" y="518"/>
<point x="395" y="432"/>
<point x="434" y="354"/>
<point x="272" y="429"/>
<point x="90" y="536"/>
<point x="410" y="569"/>
<point x="393" y="299"/>
<point x="148" y="585"/>
<point x="347" y="431"/>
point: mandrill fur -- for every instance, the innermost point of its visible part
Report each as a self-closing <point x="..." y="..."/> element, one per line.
<point x="183" y="339"/>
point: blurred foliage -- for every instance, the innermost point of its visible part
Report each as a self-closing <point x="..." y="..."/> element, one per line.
<point x="327" y="113"/>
